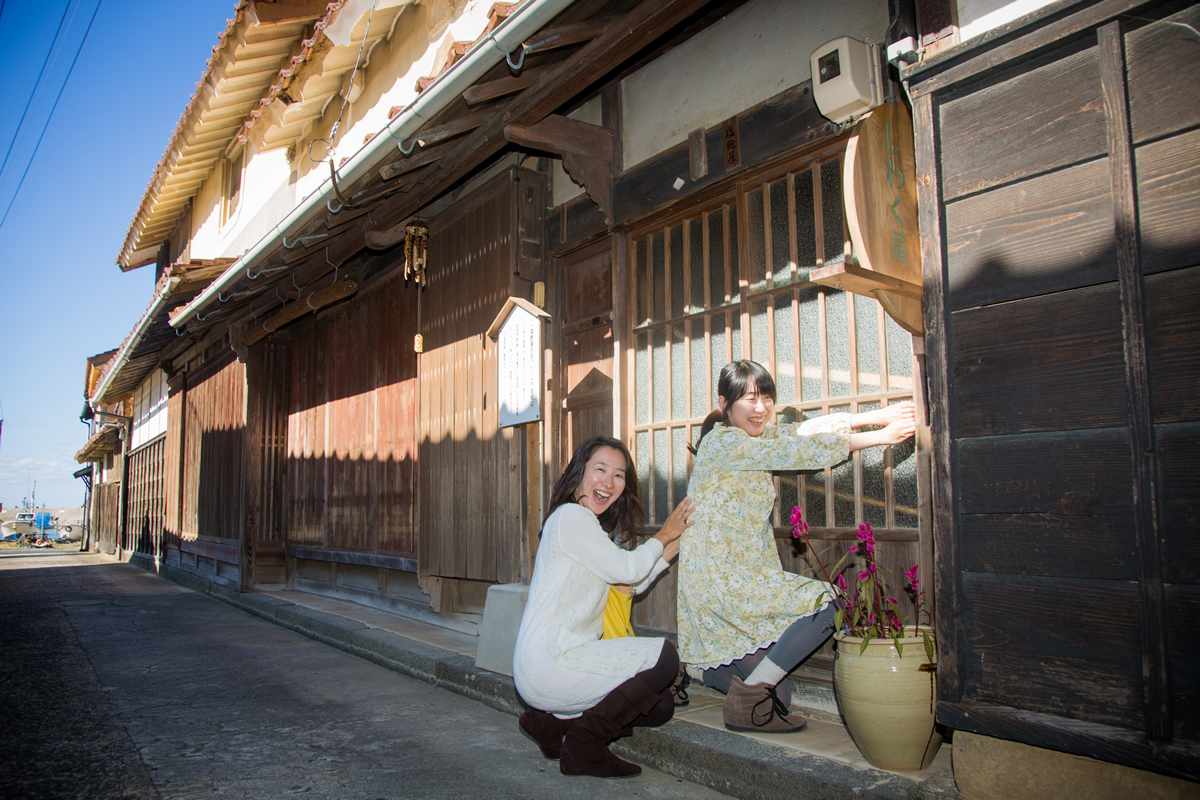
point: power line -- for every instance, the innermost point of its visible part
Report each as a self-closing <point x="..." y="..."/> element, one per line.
<point x="51" y="115"/>
<point x="33" y="91"/>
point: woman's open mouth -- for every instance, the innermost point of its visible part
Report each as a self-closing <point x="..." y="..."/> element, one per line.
<point x="600" y="497"/>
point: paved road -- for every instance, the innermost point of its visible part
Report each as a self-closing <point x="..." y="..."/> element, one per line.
<point x="117" y="683"/>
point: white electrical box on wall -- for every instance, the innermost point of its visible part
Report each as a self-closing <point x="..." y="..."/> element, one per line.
<point x="846" y="79"/>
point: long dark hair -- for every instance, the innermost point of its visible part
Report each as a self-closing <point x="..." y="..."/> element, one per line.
<point x="625" y="515"/>
<point x="733" y="382"/>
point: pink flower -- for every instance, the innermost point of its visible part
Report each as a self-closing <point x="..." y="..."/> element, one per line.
<point x="911" y="577"/>
<point x="842" y="582"/>
<point x="862" y="576"/>
<point x="892" y="600"/>
<point x="799" y="526"/>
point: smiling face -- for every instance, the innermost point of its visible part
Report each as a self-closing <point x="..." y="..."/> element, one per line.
<point x="751" y="412"/>
<point x="603" y="480"/>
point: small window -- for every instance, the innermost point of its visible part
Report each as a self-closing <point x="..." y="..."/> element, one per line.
<point x="232" y="186"/>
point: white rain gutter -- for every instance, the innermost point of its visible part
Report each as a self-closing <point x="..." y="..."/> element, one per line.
<point x="525" y="21"/>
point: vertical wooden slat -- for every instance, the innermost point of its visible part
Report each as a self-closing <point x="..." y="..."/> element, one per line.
<point x="1158" y="724"/>
<point x="937" y="349"/>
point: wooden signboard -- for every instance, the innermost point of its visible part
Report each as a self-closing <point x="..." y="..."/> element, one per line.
<point x="517" y="331"/>
<point x="880" y="185"/>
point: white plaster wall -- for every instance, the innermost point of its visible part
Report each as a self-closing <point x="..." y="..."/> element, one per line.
<point x="753" y="54"/>
<point x="150" y="408"/>
<point x="977" y="17"/>
<point x="271" y="187"/>
<point x="562" y="186"/>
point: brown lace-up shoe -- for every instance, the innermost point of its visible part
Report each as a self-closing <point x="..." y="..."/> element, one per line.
<point x="757" y="709"/>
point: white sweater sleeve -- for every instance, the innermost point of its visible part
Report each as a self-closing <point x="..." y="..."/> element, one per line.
<point x="660" y="567"/>
<point x="583" y="540"/>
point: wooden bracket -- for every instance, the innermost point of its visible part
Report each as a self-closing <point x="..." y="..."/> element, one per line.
<point x="586" y="151"/>
<point x="859" y="280"/>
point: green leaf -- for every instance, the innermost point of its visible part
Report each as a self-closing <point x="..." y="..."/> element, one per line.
<point x="929" y="645"/>
<point x="837" y="619"/>
<point x="899" y="647"/>
<point x="863" y="648"/>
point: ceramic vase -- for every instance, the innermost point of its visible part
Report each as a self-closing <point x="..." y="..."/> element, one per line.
<point x="887" y="699"/>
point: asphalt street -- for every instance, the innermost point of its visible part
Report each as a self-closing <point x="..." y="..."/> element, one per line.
<point x="120" y="684"/>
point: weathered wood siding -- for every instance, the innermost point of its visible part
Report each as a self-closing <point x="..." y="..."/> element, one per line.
<point x="263" y="546"/>
<point x="106" y="506"/>
<point x="1060" y="201"/>
<point x="213" y="440"/>
<point x="472" y="508"/>
<point x="145" y="516"/>
<point x="351" y="415"/>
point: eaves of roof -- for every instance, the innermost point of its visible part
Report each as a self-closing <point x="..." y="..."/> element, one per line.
<point x="144" y="347"/>
<point x="247" y="58"/>
<point x="99" y="445"/>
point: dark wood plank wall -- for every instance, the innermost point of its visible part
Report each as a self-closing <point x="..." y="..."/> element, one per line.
<point x="146" y="513"/>
<point x="173" y="461"/>
<point x="1061" y="228"/>
<point x="471" y="481"/>
<point x="213" y="457"/>
<point x="351" y="422"/>
<point x="264" y="543"/>
<point x="106" y="504"/>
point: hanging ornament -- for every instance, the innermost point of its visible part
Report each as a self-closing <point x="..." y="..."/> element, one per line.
<point x="416" y="240"/>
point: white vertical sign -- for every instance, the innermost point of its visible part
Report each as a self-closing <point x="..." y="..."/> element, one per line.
<point x="520" y="373"/>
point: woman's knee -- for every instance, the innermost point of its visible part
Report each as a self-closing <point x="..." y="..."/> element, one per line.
<point x="663" y="673"/>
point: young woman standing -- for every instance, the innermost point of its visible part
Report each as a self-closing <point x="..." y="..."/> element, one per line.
<point x="743" y="620"/>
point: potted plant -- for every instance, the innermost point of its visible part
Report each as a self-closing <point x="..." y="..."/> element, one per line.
<point x="884" y="668"/>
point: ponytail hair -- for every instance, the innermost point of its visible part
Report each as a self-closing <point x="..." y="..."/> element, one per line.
<point x="732" y="384"/>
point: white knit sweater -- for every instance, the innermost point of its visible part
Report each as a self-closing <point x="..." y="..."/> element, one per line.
<point x="560" y="664"/>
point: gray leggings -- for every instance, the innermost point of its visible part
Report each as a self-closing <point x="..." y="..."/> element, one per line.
<point x="798" y="642"/>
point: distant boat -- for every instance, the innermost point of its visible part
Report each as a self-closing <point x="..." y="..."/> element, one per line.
<point x="35" y="523"/>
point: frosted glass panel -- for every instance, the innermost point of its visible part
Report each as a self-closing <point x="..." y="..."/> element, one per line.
<point x="904" y="478"/>
<point x="695" y="243"/>
<point x="757" y="265"/>
<point x="843" y="487"/>
<point x="874" y="480"/>
<point x="642" y="454"/>
<point x="734" y="258"/>
<point x="678" y="465"/>
<point x="781" y="237"/>
<point x="899" y="349"/>
<point x="659" y="366"/>
<point x="678" y="373"/>
<point x="735" y="336"/>
<point x="831" y="212"/>
<point x="758" y="333"/>
<point x="785" y="355"/>
<point x="837" y="333"/>
<point x="699" y="401"/>
<point x="866" y="335"/>
<point x="643" y="313"/>
<point x="678" y="296"/>
<point x="789" y="497"/>
<point x="662" y="449"/>
<point x="806" y="223"/>
<point x="809" y="306"/>
<point x="642" y="368"/>
<point x="719" y="357"/>
<point x="814" y="488"/>
<point x="716" y="258"/>
<point x="658" y="270"/>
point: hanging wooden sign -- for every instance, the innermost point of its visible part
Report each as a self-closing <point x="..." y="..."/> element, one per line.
<point x="517" y="331"/>
<point x="880" y="184"/>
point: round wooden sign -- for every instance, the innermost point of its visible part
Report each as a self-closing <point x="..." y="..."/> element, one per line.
<point x="880" y="184"/>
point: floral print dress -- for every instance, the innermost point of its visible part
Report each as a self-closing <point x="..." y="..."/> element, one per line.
<point x="734" y="596"/>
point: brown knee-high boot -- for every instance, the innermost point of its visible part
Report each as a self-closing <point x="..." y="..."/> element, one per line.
<point x="545" y="729"/>
<point x="643" y="699"/>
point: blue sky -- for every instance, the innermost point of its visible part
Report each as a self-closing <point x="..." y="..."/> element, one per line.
<point x="62" y="297"/>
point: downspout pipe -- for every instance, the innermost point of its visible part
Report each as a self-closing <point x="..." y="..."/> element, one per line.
<point x="527" y="20"/>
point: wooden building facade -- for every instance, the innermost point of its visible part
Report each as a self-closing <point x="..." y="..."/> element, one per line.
<point x="1060" y="200"/>
<point x="332" y="407"/>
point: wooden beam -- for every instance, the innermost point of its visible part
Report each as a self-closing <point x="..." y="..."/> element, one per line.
<point x="560" y="135"/>
<point x="409" y="163"/>
<point x="860" y="280"/>
<point x="566" y="35"/>
<point x="595" y="176"/>
<point x="293" y="311"/>
<point x="502" y="87"/>
<point x="637" y="30"/>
